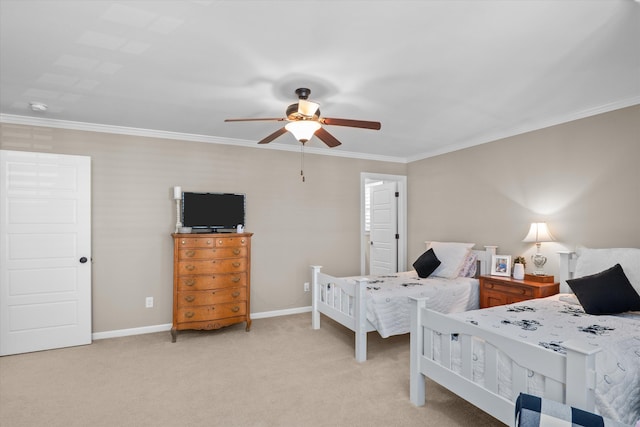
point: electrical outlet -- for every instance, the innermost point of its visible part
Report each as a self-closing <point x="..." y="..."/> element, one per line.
<point x="148" y="302"/>
<point x="306" y="286"/>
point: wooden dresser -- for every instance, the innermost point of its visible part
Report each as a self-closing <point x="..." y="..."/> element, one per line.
<point x="498" y="290"/>
<point x="211" y="281"/>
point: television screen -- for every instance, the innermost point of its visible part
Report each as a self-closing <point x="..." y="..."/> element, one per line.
<point x="213" y="211"/>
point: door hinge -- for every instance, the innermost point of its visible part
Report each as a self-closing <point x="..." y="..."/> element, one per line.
<point x="397" y="236"/>
<point x="397" y="194"/>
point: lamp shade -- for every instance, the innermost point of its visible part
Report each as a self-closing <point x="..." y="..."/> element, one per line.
<point x="303" y="130"/>
<point x="538" y="233"/>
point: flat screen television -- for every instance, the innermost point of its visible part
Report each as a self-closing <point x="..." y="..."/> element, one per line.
<point x="215" y="212"/>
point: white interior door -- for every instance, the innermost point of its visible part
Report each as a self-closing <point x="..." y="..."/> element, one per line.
<point x="384" y="228"/>
<point x="45" y="251"/>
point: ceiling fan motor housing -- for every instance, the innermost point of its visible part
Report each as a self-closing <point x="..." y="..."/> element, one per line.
<point x="293" y="113"/>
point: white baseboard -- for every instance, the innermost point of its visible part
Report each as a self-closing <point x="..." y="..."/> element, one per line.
<point x="167" y="326"/>
<point x="277" y="313"/>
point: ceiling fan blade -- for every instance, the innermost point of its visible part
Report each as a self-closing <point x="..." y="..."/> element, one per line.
<point x="327" y="138"/>
<point x="273" y="136"/>
<point x="351" y="123"/>
<point x="278" y="119"/>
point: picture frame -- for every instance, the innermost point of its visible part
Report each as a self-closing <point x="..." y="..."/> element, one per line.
<point x="501" y="265"/>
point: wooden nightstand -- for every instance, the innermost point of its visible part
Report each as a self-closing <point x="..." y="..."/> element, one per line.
<point x="499" y="290"/>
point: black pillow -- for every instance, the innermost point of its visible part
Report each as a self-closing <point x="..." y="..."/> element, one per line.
<point x="426" y="263"/>
<point x="607" y="292"/>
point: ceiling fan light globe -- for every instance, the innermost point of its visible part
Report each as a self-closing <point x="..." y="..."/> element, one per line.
<point x="307" y="108"/>
<point x="303" y="130"/>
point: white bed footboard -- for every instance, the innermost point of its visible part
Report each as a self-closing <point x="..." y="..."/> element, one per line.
<point x="344" y="302"/>
<point x="568" y="378"/>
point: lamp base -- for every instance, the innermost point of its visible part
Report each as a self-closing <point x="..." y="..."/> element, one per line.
<point x="539" y="261"/>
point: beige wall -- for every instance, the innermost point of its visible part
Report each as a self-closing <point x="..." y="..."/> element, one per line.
<point x="582" y="178"/>
<point x="295" y="224"/>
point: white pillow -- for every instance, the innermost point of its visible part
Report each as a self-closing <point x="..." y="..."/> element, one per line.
<point x="592" y="261"/>
<point x="452" y="256"/>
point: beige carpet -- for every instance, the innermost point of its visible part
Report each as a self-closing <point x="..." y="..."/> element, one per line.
<point x="282" y="373"/>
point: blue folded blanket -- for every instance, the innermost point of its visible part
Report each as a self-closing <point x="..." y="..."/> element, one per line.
<point x="533" y="411"/>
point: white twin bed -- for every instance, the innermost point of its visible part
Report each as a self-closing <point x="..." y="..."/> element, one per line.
<point x="547" y="347"/>
<point x="383" y="303"/>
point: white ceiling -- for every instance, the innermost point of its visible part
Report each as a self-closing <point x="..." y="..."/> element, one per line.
<point x="438" y="75"/>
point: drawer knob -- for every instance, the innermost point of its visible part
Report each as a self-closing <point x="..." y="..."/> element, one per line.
<point x="236" y="251"/>
<point x="189" y="314"/>
<point x="236" y="279"/>
<point x="235" y="309"/>
<point x="190" y="298"/>
<point x="242" y="240"/>
<point x="190" y="267"/>
<point x="236" y="294"/>
<point x="190" y="282"/>
<point x="183" y="242"/>
<point x="208" y="242"/>
<point x="190" y="253"/>
<point x="236" y="264"/>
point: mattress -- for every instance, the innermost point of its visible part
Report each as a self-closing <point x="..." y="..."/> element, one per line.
<point x="548" y="322"/>
<point x="389" y="306"/>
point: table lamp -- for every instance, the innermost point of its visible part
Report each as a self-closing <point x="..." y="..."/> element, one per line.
<point x="538" y="233"/>
<point x="177" y="196"/>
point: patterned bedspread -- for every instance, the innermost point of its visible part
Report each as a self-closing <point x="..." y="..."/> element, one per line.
<point x="548" y="322"/>
<point x="389" y="307"/>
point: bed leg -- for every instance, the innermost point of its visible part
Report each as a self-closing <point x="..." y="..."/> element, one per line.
<point x="315" y="296"/>
<point x="417" y="390"/>
<point x="360" y="314"/>
<point x="361" y="346"/>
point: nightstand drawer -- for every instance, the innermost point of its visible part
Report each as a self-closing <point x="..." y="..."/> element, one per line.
<point x="508" y="289"/>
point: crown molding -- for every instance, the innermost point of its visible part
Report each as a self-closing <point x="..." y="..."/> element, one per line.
<point x="121" y="130"/>
<point x="150" y="133"/>
<point x="601" y="109"/>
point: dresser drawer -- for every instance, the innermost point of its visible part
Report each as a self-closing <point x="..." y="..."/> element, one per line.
<point x="225" y="242"/>
<point x="211" y="312"/>
<point x="212" y="281"/>
<point x="210" y="324"/>
<point x="217" y="296"/>
<point x="227" y="265"/>
<point x="196" y="242"/>
<point x="504" y="288"/>
<point x="223" y="252"/>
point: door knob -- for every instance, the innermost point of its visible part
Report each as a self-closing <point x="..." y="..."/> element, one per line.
<point x="83" y="260"/>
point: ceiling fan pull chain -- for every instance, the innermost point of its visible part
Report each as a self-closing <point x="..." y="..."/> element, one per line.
<point x="302" y="162"/>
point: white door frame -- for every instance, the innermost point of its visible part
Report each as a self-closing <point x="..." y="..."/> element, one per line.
<point x="401" y="180"/>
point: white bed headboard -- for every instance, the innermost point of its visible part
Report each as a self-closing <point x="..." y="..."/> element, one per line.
<point x="567" y="269"/>
<point x="484" y="257"/>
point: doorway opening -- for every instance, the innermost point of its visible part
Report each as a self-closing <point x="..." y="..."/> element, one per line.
<point x="368" y="182"/>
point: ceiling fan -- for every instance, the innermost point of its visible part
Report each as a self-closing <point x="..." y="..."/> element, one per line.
<point x="304" y="121"/>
